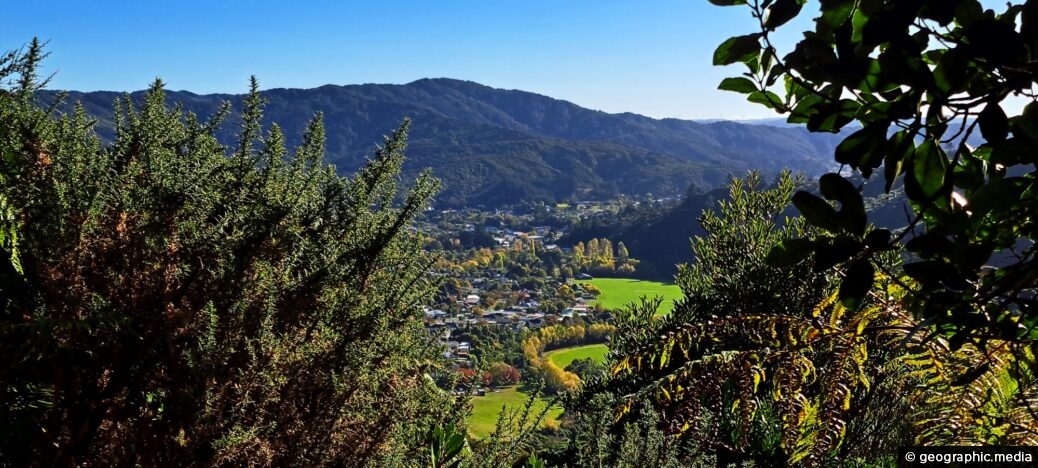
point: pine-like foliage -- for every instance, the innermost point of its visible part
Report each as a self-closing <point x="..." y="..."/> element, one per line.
<point x="183" y="303"/>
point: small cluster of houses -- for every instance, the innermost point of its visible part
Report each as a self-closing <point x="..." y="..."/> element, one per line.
<point x="465" y="308"/>
<point x="515" y="317"/>
<point x="443" y="326"/>
<point x="507" y="237"/>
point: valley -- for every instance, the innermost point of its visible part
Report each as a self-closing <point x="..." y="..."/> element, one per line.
<point x="733" y="233"/>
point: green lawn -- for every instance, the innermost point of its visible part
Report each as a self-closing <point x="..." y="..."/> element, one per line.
<point x="618" y="292"/>
<point x="563" y="357"/>
<point x="485" y="409"/>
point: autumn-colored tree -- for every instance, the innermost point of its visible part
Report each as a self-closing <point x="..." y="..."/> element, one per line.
<point x="579" y="254"/>
<point x="502" y="374"/>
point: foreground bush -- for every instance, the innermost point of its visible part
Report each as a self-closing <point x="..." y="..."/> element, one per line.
<point x="169" y="301"/>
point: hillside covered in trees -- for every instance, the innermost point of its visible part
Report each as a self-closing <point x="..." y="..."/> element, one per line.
<point x="494" y="147"/>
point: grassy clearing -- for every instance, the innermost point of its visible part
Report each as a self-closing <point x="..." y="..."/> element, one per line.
<point x="618" y="292"/>
<point x="485" y="409"/>
<point x="563" y="357"/>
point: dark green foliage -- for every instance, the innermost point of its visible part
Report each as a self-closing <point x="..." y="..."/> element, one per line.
<point x="595" y="441"/>
<point x="661" y="241"/>
<point x="928" y="81"/>
<point x="730" y="276"/>
<point x="760" y="362"/>
<point x="585" y="368"/>
<point x="447" y="446"/>
<point x="495" y="147"/>
<point x="182" y="303"/>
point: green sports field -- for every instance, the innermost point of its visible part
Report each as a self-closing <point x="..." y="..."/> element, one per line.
<point x="563" y="357"/>
<point x="618" y="292"/>
<point x="485" y="409"/>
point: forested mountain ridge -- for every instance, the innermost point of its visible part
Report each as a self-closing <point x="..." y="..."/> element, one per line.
<point x="493" y="147"/>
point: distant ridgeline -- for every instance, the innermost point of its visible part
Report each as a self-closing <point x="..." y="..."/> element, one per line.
<point x="662" y="241"/>
<point x="494" y="147"/>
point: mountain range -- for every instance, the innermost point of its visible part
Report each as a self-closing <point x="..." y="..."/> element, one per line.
<point x="494" y="147"/>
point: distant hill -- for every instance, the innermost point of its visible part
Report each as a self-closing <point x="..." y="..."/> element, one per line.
<point x="663" y="242"/>
<point x="493" y="147"/>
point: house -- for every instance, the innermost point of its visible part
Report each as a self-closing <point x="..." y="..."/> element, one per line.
<point x="439" y="331"/>
<point x="472" y="299"/>
<point x="577" y="310"/>
<point x="459" y="348"/>
<point x="533" y="323"/>
<point x="500" y="317"/>
<point x="435" y="314"/>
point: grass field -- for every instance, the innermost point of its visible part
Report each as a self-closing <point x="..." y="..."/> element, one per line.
<point x="563" y="357"/>
<point x="485" y="409"/>
<point x="618" y="292"/>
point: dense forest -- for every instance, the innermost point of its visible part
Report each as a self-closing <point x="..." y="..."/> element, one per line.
<point x="494" y="147"/>
<point x="172" y="295"/>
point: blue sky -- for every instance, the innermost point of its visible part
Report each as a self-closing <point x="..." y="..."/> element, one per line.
<point x="651" y="57"/>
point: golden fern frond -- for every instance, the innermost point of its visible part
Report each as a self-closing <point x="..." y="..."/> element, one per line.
<point x="844" y="376"/>
<point x="746" y="332"/>
<point x="971" y="396"/>
<point x="811" y="368"/>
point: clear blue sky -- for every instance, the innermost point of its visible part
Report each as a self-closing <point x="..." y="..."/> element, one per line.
<point x="652" y="57"/>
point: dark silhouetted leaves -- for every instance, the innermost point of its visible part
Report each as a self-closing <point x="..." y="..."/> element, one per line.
<point x="817" y="211"/>
<point x="951" y="76"/>
<point x="937" y="72"/>
<point x="781" y="12"/>
<point x="738" y="84"/>
<point x="998" y="192"/>
<point x="878" y="239"/>
<point x="852" y="215"/>
<point x="930" y="244"/>
<point x="790" y="252"/>
<point x="927" y="272"/>
<point x="927" y="171"/>
<point x="833" y="251"/>
<point x="994" y="125"/>
<point x="899" y="148"/>
<point x="766" y="98"/>
<point x="863" y="148"/>
<point x="831" y="117"/>
<point x="856" y="284"/>
<point x="737" y="49"/>
<point x="997" y="42"/>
